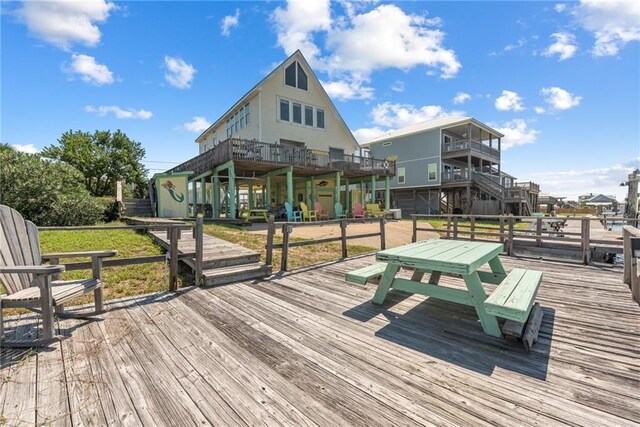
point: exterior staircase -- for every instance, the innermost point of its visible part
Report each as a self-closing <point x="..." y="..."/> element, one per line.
<point x="489" y="186"/>
<point x="137" y="208"/>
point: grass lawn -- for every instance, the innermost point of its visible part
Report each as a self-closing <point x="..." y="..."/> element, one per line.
<point x="484" y="226"/>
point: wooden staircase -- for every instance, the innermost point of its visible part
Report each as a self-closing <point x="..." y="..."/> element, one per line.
<point x="137" y="208"/>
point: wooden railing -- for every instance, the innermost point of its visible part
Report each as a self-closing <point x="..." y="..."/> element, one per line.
<point x="449" y="147"/>
<point x="506" y="232"/>
<point x="288" y="228"/>
<point x="631" y="261"/>
<point x="173" y="234"/>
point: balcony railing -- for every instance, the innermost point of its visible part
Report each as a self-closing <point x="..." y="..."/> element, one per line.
<point x="461" y="145"/>
<point x="285" y="155"/>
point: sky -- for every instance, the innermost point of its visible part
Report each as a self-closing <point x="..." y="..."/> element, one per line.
<point x="561" y="80"/>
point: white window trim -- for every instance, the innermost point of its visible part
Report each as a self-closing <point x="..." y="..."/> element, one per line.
<point x="386" y="144"/>
<point x="403" y="175"/>
<point x="436" y="178"/>
<point x="284" y="76"/>
<point x="303" y="112"/>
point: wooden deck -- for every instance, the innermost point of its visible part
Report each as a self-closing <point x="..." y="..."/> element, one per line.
<point x="308" y="348"/>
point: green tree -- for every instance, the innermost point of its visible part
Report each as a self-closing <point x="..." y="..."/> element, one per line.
<point x="46" y="192"/>
<point x="103" y="158"/>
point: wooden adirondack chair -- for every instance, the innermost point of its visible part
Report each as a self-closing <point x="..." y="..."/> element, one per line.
<point x="32" y="285"/>
<point x="308" y="215"/>
<point x="292" y="216"/>
<point x="339" y="212"/>
<point x="322" y="215"/>
<point x="358" y="211"/>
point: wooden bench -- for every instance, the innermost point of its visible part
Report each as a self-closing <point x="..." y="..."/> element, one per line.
<point x="374" y="210"/>
<point x="514" y="297"/>
<point x="362" y="275"/>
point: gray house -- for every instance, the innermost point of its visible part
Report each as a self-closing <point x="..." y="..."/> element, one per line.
<point x="451" y="164"/>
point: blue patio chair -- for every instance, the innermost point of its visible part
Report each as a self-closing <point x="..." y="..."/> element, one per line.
<point x="292" y="216"/>
<point x="340" y="213"/>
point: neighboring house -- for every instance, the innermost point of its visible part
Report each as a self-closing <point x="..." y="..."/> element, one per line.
<point x="603" y="203"/>
<point x="283" y="140"/>
<point x="451" y="164"/>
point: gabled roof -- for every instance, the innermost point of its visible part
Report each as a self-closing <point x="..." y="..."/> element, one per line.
<point x="601" y="198"/>
<point x="441" y="122"/>
<point x="299" y="57"/>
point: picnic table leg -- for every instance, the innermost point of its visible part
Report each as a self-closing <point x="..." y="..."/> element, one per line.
<point x="478" y="295"/>
<point x="496" y="266"/>
<point x="434" y="278"/>
<point x="385" y="283"/>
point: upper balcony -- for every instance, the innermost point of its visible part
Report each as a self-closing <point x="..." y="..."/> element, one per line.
<point x="466" y="144"/>
<point x="256" y="156"/>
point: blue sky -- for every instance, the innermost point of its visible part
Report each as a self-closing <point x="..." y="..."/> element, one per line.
<point x="560" y="80"/>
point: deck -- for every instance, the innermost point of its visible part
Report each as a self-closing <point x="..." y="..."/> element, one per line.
<point x="306" y="348"/>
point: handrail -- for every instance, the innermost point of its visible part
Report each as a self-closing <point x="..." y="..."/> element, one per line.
<point x="630" y="261"/>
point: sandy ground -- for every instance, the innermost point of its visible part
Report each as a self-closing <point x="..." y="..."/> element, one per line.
<point x="397" y="233"/>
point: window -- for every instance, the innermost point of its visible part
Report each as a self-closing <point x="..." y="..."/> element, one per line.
<point x="284" y="110"/>
<point x="308" y="115"/>
<point x="246" y="115"/>
<point x="401" y="175"/>
<point x="386" y="144"/>
<point x="297" y="113"/>
<point x="446" y="139"/>
<point x="320" y="118"/>
<point x="432" y="171"/>
<point x="336" y="153"/>
<point x="295" y="76"/>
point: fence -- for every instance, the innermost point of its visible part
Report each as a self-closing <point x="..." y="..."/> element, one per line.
<point x="174" y="232"/>
<point x="631" y="262"/>
<point x="547" y="229"/>
<point x="288" y="227"/>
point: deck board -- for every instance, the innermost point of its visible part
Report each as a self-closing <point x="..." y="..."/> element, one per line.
<point x="307" y="348"/>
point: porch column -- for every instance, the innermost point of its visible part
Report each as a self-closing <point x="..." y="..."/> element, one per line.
<point x="203" y="188"/>
<point x="363" y="189"/>
<point x="336" y="194"/>
<point x="267" y="201"/>
<point x="290" y="187"/>
<point x="278" y="195"/>
<point x="194" y="191"/>
<point x="306" y="193"/>
<point x="216" y="196"/>
<point x="347" y="195"/>
<point x="237" y="196"/>
<point x="251" y="200"/>
<point x="373" y="188"/>
<point x="387" y="193"/>
<point x="313" y="193"/>
<point x="232" y="191"/>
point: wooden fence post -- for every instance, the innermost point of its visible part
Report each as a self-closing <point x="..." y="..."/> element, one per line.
<point x="271" y="231"/>
<point x="510" y="237"/>
<point x="198" y="232"/>
<point x="286" y="229"/>
<point x="448" y="227"/>
<point x="455" y="227"/>
<point x="383" y="243"/>
<point x="343" y="235"/>
<point x="586" y="252"/>
<point x="174" y="236"/>
<point x="472" y="227"/>
<point x="501" y="230"/>
<point x="414" y="236"/>
<point x="538" y="231"/>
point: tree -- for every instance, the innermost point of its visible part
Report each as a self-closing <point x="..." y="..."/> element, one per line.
<point x="47" y="193"/>
<point x="103" y="158"/>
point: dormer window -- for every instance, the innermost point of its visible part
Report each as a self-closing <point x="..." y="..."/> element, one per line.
<point x="295" y="76"/>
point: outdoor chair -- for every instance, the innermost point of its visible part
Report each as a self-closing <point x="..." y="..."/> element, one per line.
<point x="339" y="212"/>
<point x="308" y="215"/>
<point x="321" y="214"/>
<point x="358" y="211"/>
<point x="292" y="216"/>
<point x="30" y="284"/>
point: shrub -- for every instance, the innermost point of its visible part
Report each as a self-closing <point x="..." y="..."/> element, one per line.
<point x="47" y="193"/>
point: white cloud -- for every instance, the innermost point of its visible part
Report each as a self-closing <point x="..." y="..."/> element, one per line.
<point x="25" y="148"/>
<point x="197" y="125"/>
<point x="516" y="132"/>
<point x="509" y="101"/>
<point x="572" y="183"/>
<point x="120" y="113"/>
<point x="564" y="46"/>
<point x="362" y="41"/>
<point x="614" y="23"/>
<point x="65" y="23"/>
<point x="89" y="70"/>
<point x="511" y="46"/>
<point x="363" y="135"/>
<point x="461" y="98"/>
<point x="539" y="110"/>
<point x="229" y="22"/>
<point x="398" y="86"/>
<point x="401" y="115"/>
<point x="348" y="89"/>
<point x="179" y="74"/>
<point x="559" y="98"/>
<point x="560" y="7"/>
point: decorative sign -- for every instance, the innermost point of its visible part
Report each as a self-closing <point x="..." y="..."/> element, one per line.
<point x="392" y="157"/>
<point x="172" y="192"/>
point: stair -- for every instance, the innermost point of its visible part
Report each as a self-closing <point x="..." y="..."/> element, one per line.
<point x="137" y="207"/>
<point x="488" y="185"/>
<point x="235" y="273"/>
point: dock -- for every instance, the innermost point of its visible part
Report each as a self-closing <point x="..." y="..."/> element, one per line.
<point x="306" y="348"/>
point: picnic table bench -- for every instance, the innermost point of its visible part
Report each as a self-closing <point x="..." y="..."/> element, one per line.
<point x="513" y="298"/>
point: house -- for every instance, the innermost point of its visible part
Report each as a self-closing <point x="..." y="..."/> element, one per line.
<point x="451" y="164"/>
<point x="603" y="203"/>
<point x="283" y="140"/>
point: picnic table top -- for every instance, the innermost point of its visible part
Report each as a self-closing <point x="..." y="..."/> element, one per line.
<point x="450" y="256"/>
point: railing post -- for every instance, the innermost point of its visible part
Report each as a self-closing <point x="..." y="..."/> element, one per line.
<point x="538" y="231"/>
<point x="501" y="230"/>
<point x="448" y="227"/>
<point x="271" y="231"/>
<point x="198" y="232"/>
<point x="472" y="227"/>
<point x="455" y="227"/>
<point x="174" y="236"/>
<point x="383" y="243"/>
<point x="343" y="235"/>
<point x="510" y="237"/>
<point x="586" y="253"/>
<point x="414" y="235"/>
<point x="286" y="229"/>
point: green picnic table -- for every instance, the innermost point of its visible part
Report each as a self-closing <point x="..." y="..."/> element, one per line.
<point x="513" y="299"/>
